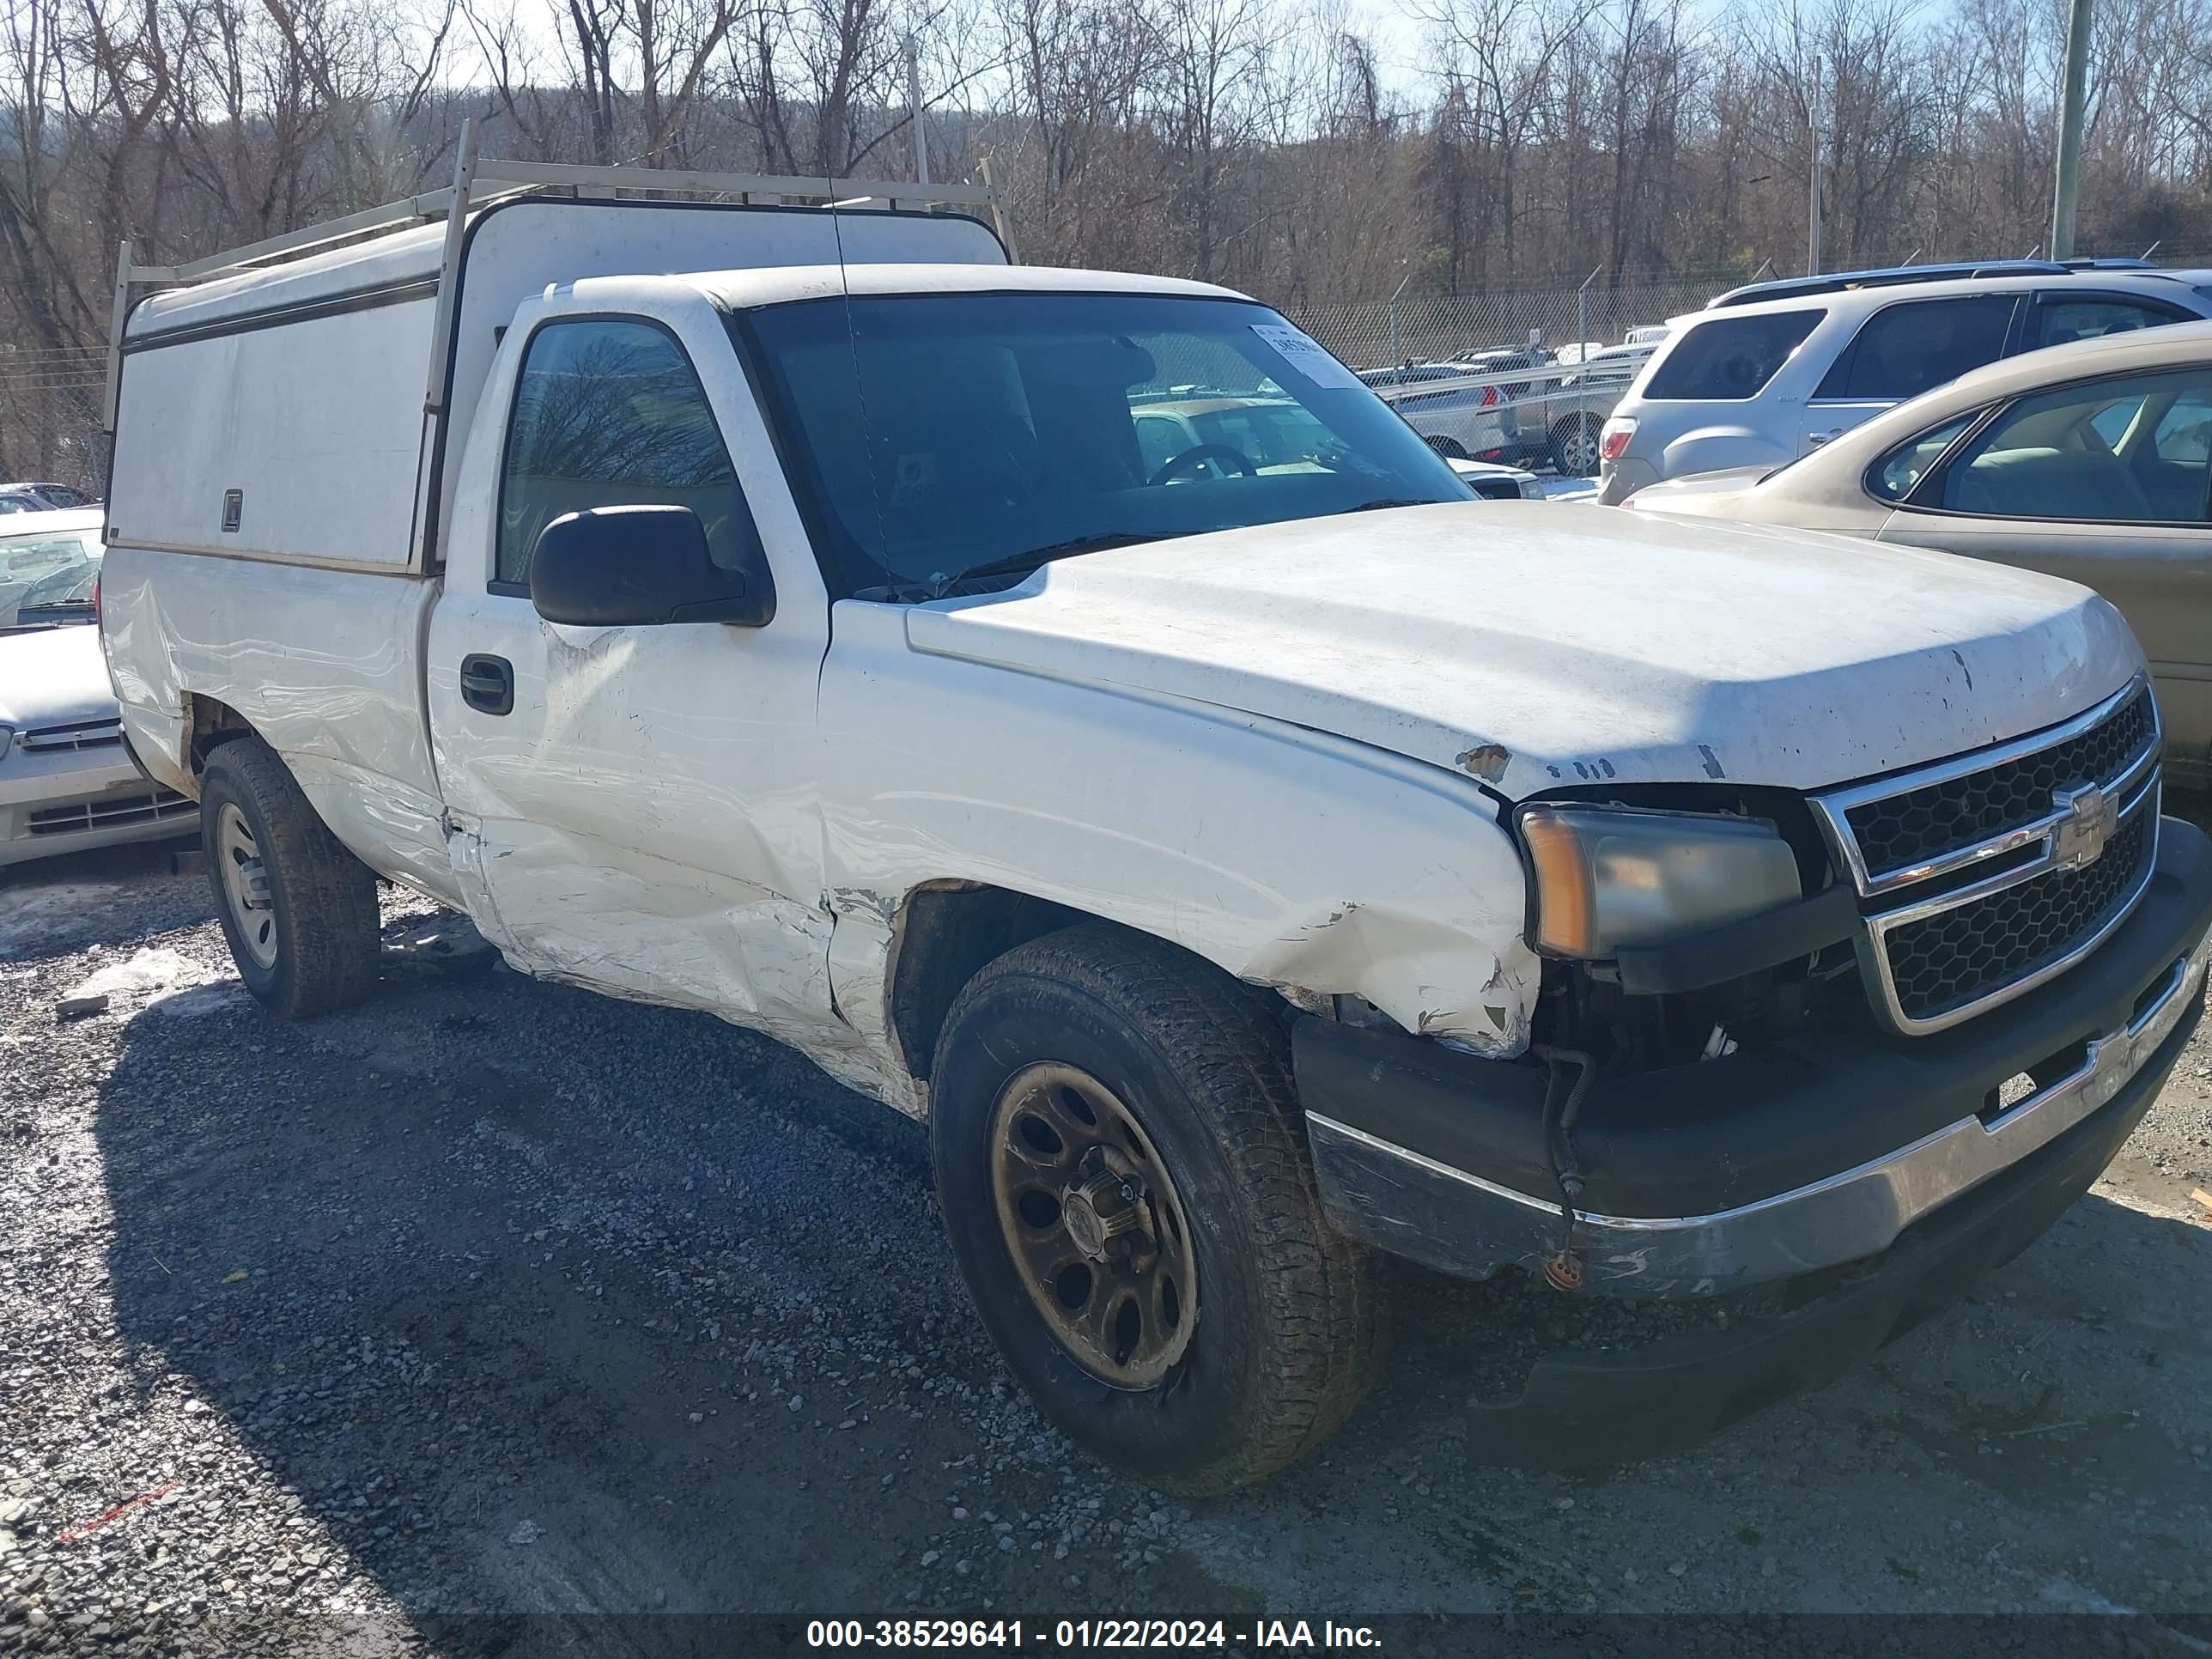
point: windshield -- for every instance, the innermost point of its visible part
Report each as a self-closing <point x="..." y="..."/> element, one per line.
<point x="948" y="437"/>
<point x="47" y="578"/>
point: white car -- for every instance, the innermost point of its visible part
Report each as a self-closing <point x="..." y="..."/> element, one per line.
<point x="1241" y="869"/>
<point x="66" y="782"/>
<point x="1756" y="382"/>
<point x="1495" y="482"/>
<point x="2091" y="461"/>
<point x="12" y="497"/>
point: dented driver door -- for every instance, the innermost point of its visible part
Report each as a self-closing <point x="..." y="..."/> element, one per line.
<point x="633" y="808"/>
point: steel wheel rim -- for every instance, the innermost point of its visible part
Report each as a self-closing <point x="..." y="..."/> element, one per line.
<point x="246" y="885"/>
<point x="1093" y="1225"/>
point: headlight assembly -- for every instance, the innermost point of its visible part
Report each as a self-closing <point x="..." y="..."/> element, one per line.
<point x="1610" y="877"/>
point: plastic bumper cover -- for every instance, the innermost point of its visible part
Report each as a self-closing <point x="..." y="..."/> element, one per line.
<point x="68" y="800"/>
<point x="1611" y="1408"/>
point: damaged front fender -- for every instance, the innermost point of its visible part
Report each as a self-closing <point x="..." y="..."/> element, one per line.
<point x="1291" y="857"/>
<point x="1420" y="967"/>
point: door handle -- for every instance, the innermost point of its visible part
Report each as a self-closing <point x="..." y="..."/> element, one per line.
<point x="488" y="683"/>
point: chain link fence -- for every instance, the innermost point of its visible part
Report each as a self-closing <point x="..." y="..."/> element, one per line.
<point x="50" y="412"/>
<point x="1442" y="327"/>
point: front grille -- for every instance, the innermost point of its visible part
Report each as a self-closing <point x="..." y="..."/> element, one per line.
<point x="1972" y="875"/>
<point x="1902" y="830"/>
<point x="109" y="812"/>
<point x="1944" y="962"/>
<point x="87" y="734"/>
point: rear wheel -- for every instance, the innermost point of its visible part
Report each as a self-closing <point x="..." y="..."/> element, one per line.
<point x="1575" y="447"/>
<point x="298" y="910"/>
<point x="1450" y="448"/>
<point x="1124" y="1174"/>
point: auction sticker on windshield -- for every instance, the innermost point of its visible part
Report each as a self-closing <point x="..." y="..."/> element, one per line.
<point x="1306" y="354"/>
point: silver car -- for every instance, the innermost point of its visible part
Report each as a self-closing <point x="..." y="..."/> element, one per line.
<point x="1558" y="404"/>
<point x="1748" y="384"/>
<point x="1459" y="410"/>
<point x="66" y="782"/>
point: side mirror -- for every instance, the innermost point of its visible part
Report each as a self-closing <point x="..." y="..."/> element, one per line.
<point x="612" y="567"/>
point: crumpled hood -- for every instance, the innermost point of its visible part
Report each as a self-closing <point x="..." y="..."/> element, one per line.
<point x="1541" y="644"/>
<point x="55" y="676"/>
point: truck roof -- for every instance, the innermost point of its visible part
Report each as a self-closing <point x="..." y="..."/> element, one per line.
<point x="743" y="290"/>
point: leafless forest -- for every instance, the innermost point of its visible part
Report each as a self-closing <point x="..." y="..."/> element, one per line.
<point x="1276" y="145"/>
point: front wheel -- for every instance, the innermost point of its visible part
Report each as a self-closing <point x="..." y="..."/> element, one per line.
<point x="1124" y="1174"/>
<point x="1575" y="447"/>
<point x="1450" y="448"/>
<point x="298" y="910"/>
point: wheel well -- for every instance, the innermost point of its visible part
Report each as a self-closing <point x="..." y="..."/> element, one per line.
<point x="946" y="934"/>
<point x="210" y="723"/>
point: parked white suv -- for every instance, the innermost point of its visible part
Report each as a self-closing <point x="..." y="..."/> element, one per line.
<point x="1757" y="385"/>
<point x="1241" y="868"/>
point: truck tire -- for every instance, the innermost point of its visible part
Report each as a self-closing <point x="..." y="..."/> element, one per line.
<point x="1124" y="1174"/>
<point x="1574" y="446"/>
<point x="299" y="911"/>
<point x="1450" y="448"/>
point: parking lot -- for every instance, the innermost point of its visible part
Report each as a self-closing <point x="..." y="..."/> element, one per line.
<point x="493" y="1297"/>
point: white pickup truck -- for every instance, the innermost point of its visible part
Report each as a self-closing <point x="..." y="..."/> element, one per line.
<point x="1244" y="866"/>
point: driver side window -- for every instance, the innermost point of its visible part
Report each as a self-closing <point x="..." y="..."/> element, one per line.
<point x="609" y="413"/>
<point x="2109" y="452"/>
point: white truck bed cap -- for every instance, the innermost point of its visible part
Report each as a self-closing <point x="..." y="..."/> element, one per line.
<point x="385" y="263"/>
<point x="219" y="387"/>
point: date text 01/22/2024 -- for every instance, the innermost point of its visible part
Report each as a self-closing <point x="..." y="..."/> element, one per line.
<point x="1102" y="1634"/>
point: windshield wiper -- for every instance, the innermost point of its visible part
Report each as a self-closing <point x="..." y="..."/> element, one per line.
<point x="1377" y="506"/>
<point x="1013" y="564"/>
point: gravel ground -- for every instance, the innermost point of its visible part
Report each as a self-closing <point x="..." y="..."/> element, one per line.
<point x="494" y="1300"/>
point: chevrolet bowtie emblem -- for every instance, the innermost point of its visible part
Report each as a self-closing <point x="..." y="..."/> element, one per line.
<point x="2090" y="817"/>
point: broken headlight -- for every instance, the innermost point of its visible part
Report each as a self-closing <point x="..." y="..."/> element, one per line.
<point x="1607" y="876"/>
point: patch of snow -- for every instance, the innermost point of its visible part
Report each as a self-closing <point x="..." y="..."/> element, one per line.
<point x="143" y="977"/>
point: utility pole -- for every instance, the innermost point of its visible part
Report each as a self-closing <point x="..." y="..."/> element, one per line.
<point x="1813" y="200"/>
<point x="913" y="104"/>
<point x="2073" y="97"/>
